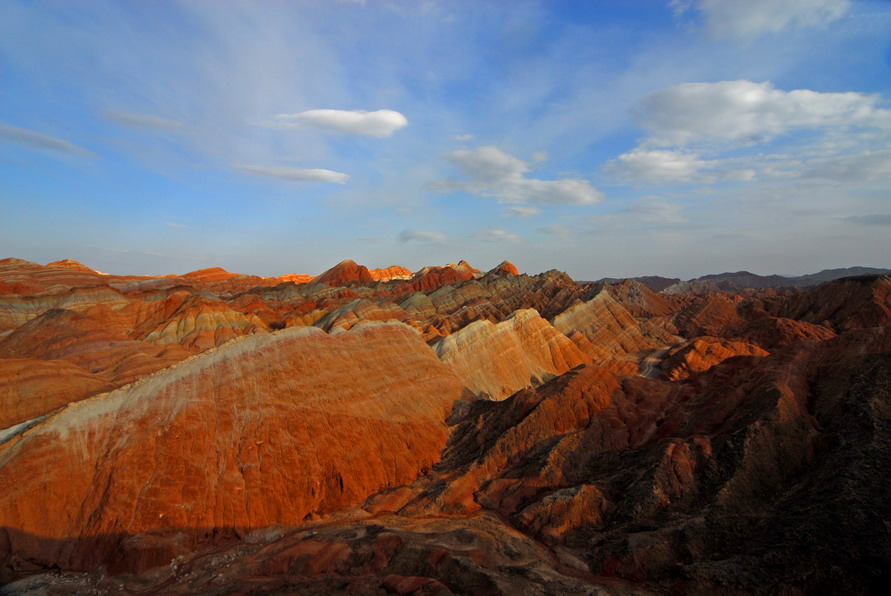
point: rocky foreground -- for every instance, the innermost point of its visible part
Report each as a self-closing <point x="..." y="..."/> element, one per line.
<point x="447" y="431"/>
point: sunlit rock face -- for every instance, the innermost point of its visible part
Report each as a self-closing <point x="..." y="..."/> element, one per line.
<point x="431" y="278"/>
<point x="345" y="272"/>
<point x="30" y="387"/>
<point x="390" y="273"/>
<point x="505" y="268"/>
<point x="703" y="353"/>
<point x="496" y="360"/>
<point x="443" y="431"/>
<point x="267" y="430"/>
<point x="610" y="331"/>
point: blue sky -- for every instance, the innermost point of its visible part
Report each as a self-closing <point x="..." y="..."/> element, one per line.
<point x="602" y="138"/>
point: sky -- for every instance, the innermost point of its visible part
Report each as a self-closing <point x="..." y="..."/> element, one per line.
<point x="601" y="138"/>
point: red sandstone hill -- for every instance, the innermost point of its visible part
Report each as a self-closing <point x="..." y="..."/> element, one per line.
<point x="223" y="456"/>
<point x="211" y="274"/>
<point x="297" y="278"/>
<point x="345" y="272"/>
<point x="390" y="273"/>
<point x="505" y="268"/>
<point x="70" y="264"/>
<point x="455" y="432"/>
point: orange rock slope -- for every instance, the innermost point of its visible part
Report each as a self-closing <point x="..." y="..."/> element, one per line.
<point x="447" y="431"/>
<point x="267" y="430"/>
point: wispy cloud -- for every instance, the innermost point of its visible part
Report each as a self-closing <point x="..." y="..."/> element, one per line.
<point x="381" y="123"/>
<point x="39" y="140"/>
<point x="878" y="219"/>
<point x="462" y="138"/>
<point x="494" y="236"/>
<point x="490" y="172"/>
<point x="423" y="236"/>
<point x="732" y="19"/>
<point x="135" y="120"/>
<point x="295" y="174"/>
<point x="521" y="211"/>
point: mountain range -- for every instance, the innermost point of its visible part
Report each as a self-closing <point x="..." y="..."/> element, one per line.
<point x="445" y="431"/>
<point x="741" y="280"/>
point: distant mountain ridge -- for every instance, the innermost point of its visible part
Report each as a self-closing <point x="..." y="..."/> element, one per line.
<point x="741" y="280"/>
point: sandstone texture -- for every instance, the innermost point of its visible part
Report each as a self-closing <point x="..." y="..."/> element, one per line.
<point x="447" y="431"/>
<point x="242" y="437"/>
<point x="497" y="360"/>
<point x="345" y="272"/>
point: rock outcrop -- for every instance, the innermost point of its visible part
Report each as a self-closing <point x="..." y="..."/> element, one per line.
<point x="703" y="353"/>
<point x="505" y="268"/>
<point x="497" y="360"/>
<point x="345" y="272"/>
<point x="611" y="331"/>
<point x="390" y="273"/>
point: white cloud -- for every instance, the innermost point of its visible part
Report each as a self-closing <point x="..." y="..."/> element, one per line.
<point x="838" y="136"/>
<point x="39" y="140"/>
<point x="658" y="165"/>
<point x="490" y="172"/>
<point x="521" y="211"/>
<point x="134" y="120"/>
<point x="744" y="111"/>
<point x="744" y="20"/>
<point x="426" y="236"/>
<point x="464" y="137"/>
<point x="557" y="230"/>
<point x="296" y="174"/>
<point x="494" y="236"/>
<point x="381" y="123"/>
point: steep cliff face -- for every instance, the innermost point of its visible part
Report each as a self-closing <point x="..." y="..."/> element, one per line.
<point x="263" y="431"/>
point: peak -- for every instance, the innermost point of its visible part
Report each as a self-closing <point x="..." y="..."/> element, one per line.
<point x="345" y="272"/>
<point x="464" y="266"/>
<point x="206" y="270"/>
<point x="69" y="264"/>
<point x="13" y="263"/>
<point x="505" y="268"/>
<point x="211" y="274"/>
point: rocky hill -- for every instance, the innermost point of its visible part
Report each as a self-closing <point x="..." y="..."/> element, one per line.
<point x="447" y="431"/>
